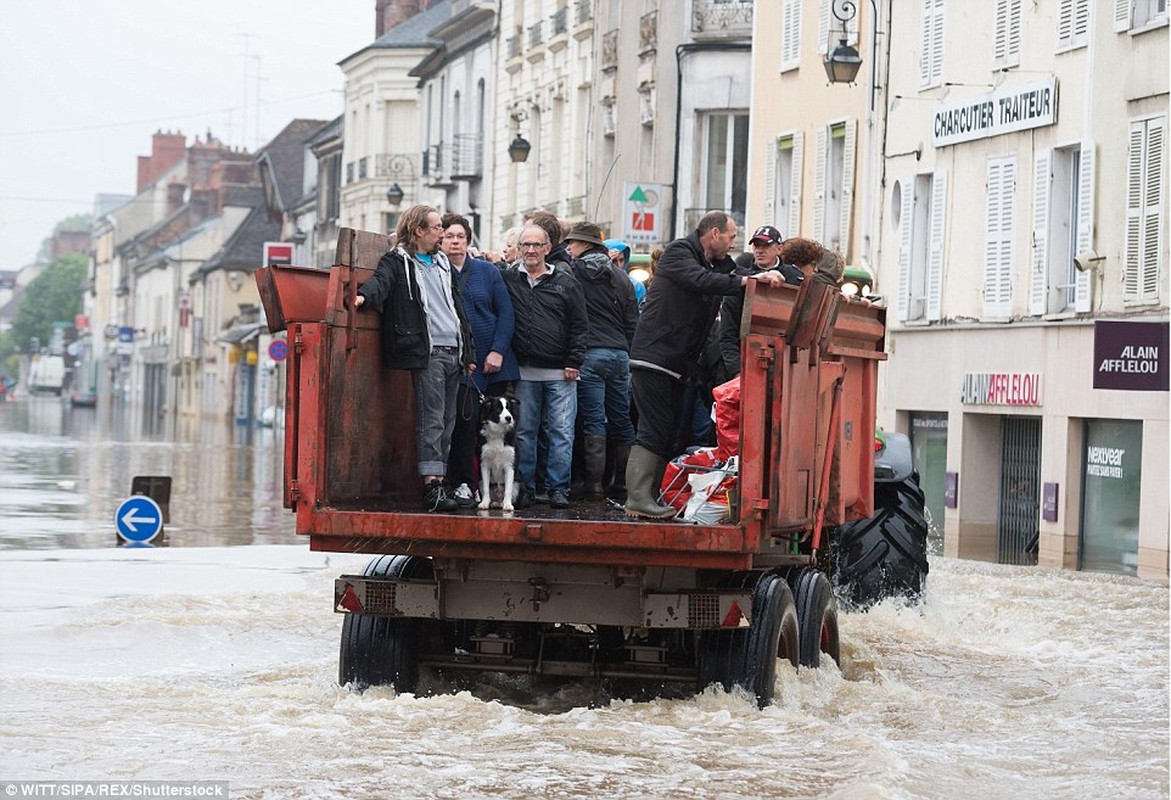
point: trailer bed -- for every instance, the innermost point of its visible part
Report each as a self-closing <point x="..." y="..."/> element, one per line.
<point x="350" y="466"/>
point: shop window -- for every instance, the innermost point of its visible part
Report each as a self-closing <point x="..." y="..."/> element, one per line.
<point x="929" y="451"/>
<point x="1111" y="489"/>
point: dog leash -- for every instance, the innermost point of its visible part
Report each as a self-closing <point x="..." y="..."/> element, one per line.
<point x="465" y="411"/>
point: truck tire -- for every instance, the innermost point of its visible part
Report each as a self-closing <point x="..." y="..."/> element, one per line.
<point x="376" y="651"/>
<point x="817" y="616"/>
<point x="747" y="657"/>
<point x="885" y="555"/>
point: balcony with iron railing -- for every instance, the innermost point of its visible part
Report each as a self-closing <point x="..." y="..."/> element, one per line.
<point x="436" y="164"/>
<point x="559" y="22"/>
<point x="467" y="156"/>
<point x="584" y="11"/>
<point x="721" y="18"/>
<point x="537" y="34"/>
<point x="512" y="47"/>
<point x="573" y="206"/>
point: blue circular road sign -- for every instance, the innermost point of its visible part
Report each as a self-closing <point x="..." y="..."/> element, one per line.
<point x="278" y="350"/>
<point x="138" y="519"/>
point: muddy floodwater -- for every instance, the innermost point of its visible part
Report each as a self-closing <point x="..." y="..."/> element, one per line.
<point x="215" y="658"/>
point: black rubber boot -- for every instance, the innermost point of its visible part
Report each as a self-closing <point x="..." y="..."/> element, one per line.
<point x="595" y="465"/>
<point x="620" y="453"/>
<point x="641" y="491"/>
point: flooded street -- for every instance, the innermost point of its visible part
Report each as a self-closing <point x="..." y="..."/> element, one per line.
<point x="203" y="661"/>
<point x="63" y="472"/>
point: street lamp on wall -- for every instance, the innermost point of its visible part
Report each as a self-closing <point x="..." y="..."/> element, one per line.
<point x="518" y="151"/>
<point x="842" y="64"/>
<point x="395" y="194"/>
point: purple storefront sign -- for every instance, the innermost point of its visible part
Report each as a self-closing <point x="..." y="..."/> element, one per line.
<point x="1131" y="356"/>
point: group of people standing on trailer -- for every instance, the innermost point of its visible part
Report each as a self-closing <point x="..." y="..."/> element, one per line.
<point x="556" y="321"/>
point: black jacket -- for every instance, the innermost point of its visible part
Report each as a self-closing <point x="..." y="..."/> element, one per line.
<point x="609" y="299"/>
<point x="732" y="309"/>
<point x="551" y="323"/>
<point x="394" y="290"/>
<point x="681" y="305"/>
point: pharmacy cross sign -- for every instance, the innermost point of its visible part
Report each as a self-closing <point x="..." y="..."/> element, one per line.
<point x="642" y="213"/>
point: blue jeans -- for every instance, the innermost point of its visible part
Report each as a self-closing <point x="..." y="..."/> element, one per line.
<point x="549" y="406"/>
<point x="603" y="394"/>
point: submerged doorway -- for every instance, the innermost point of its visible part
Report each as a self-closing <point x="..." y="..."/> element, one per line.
<point x="1018" y="520"/>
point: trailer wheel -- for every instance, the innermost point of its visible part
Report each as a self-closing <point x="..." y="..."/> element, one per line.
<point x="817" y="616"/>
<point x="747" y="657"/>
<point x="382" y="650"/>
<point x="885" y="555"/>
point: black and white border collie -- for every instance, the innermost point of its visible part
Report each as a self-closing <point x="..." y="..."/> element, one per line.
<point x="498" y="452"/>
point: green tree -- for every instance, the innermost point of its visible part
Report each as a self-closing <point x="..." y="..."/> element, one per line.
<point x="54" y="295"/>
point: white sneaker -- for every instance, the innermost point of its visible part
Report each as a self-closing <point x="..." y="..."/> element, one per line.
<point x="463" y="496"/>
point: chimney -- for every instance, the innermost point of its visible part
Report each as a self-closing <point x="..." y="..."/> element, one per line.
<point x="166" y="150"/>
<point x="204" y="203"/>
<point x="389" y="14"/>
<point x="175" y="192"/>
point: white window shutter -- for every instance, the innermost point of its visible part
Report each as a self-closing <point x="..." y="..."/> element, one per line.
<point x="1039" y="273"/>
<point x="937" y="242"/>
<point x="937" y="45"/>
<point x="1122" y="15"/>
<point x="1008" y="236"/>
<point x="819" y="176"/>
<point x="1131" y="277"/>
<point x="1013" y="44"/>
<point x="794" y="221"/>
<point x="907" y="209"/>
<point x="1064" y="23"/>
<point x="823" y="26"/>
<point x="1152" y="250"/>
<point x="1000" y="39"/>
<point x="846" y="210"/>
<point x="791" y="35"/>
<point x="998" y="237"/>
<point x="1081" y="20"/>
<point x="1085" y="221"/>
<point x="770" y="181"/>
<point x="925" y="44"/>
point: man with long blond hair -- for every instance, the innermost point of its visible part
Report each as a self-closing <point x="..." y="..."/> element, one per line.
<point x="423" y="330"/>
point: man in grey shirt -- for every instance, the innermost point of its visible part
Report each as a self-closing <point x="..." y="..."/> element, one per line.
<point x="424" y="330"/>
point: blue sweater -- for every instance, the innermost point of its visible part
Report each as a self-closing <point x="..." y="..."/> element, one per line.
<point x="488" y="308"/>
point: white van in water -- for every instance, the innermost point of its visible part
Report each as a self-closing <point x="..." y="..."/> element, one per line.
<point x="47" y="374"/>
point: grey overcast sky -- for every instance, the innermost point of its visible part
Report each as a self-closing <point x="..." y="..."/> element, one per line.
<point x="84" y="84"/>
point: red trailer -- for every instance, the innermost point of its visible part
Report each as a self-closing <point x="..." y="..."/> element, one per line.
<point x="584" y="591"/>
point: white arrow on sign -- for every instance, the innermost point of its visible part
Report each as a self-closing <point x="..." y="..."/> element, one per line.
<point x="132" y="522"/>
